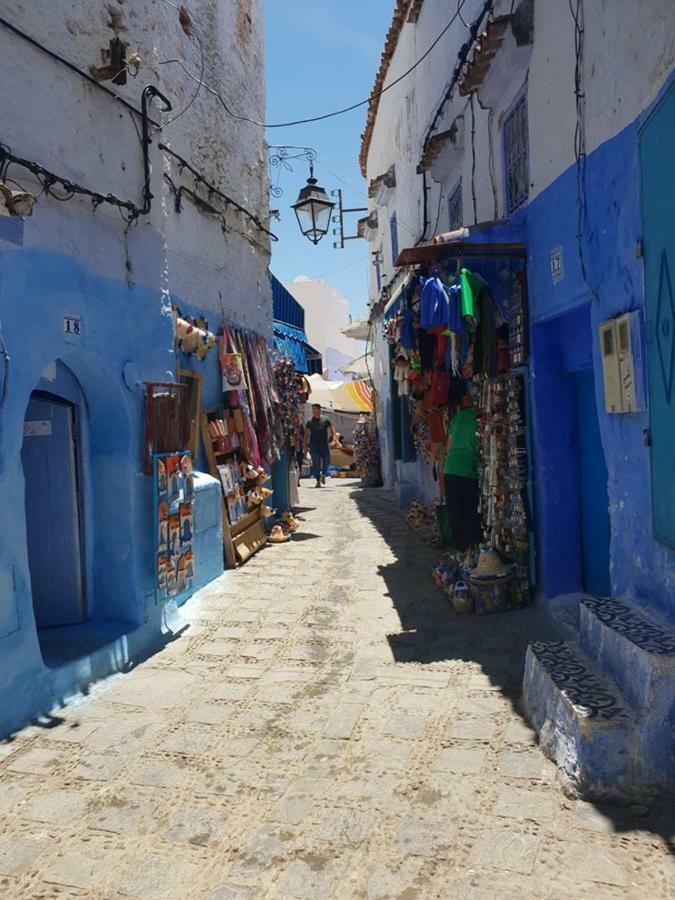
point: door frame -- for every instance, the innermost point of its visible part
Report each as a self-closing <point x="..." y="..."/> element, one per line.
<point x="76" y="433"/>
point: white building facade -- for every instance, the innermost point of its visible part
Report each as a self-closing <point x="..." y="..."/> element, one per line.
<point x="545" y="125"/>
<point x="326" y="314"/>
<point x="113" y="109"/>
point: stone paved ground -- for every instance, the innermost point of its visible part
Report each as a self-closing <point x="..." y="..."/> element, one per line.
<point x="326" y="727"/>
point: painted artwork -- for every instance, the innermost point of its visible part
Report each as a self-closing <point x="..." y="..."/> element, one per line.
<point x="227" y="480"/>
<point x="186" y="528"/>
<point x="161" y="477"/>
<point x="161" y="571"/>
<point x="188" y="477"/>
<point x="185" y="571"/>
<point x="162" y="526"/>
<point x="174" y="535"/>
<point x="173" y="478"/>
<point x="171" y="579"/>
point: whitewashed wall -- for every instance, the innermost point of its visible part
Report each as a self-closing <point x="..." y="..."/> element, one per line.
<point x="53" y="116"/>
<point x="326" y="314"/>
<point x="628" y="52"/>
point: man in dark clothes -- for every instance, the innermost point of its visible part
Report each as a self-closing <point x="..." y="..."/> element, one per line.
<point x="461" y="477"/>
<point x="319" y="434"/>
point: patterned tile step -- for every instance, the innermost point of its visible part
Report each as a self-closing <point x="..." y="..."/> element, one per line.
<point x="582" y="686"/>
<point x="633" y="625"/>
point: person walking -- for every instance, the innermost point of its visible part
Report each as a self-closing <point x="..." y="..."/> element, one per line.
<point x="319" y="435"/>
<point x="461" y="477"/>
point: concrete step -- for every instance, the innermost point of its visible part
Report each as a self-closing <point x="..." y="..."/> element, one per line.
<point x="638" y="653"/>
<point x="583" y="722"/>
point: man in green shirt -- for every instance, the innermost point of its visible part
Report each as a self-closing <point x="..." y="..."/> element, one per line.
<point x="461" y="477"/>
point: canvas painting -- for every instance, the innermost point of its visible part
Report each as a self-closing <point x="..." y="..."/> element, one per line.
<point x="186" y="531"/>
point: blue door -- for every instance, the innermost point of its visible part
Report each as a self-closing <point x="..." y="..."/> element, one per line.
<point x="657" y="163"/>
<point x="52" y="511"/>
<point x="594" y="505"/>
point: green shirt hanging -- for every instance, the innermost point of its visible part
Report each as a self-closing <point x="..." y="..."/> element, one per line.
<point x="462" y="458"/>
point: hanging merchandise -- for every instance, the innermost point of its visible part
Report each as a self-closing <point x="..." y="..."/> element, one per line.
<point x="192" y="334"/>
<point x="173" y="493"/>
<point x="434" y="303"/>
<point x="288" y="390"/>
<point x="503" y="480"/>
<point x="367" y="452"/>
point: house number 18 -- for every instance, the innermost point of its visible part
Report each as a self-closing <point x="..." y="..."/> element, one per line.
<point x="72" y="325"/>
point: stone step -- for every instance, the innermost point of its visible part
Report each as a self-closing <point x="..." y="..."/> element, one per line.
<point x="638" y="653"/>
<point x="583" y="722"/>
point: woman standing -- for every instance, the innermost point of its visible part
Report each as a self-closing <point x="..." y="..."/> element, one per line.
<point x="461" y="477"/>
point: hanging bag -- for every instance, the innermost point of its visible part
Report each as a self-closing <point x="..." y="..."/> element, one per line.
<point x="230" y="363"/>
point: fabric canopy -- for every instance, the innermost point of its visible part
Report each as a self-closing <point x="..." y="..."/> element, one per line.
<point x="358" y="330"/>
<point x="362" y="366"/>
<point x="343" y="396"/>
<point x="291" y="342"/>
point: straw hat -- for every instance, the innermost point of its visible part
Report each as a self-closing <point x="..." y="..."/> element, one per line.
<point x="490" y="564"/>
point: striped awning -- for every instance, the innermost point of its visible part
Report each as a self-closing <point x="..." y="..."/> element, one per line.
<point x="361" y="392"/>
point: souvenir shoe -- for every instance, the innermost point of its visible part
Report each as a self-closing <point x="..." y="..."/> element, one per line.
<point x="277" y="536"/>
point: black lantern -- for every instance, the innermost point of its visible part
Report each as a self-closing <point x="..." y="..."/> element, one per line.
<point x="313" y="209"/>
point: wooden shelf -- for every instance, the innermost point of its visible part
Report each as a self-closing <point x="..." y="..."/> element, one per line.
<point x="246" y="536"/>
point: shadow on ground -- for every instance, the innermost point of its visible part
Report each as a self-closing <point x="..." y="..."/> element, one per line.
<point x="431" y="632"/>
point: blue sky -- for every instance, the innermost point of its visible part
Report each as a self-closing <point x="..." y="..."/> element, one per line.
<point x="322" y="55"/>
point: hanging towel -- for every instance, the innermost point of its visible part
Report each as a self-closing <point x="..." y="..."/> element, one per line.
<point x="471" y="285"/>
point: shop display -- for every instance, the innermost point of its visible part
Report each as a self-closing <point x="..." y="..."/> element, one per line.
<point x="367" y="452"/>
<point x="192" y="334"/>
<point x="174" y="529"/>
<point x="461" y="330"/>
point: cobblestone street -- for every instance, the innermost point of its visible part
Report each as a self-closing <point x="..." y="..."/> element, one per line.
<point x="325" y="726"/>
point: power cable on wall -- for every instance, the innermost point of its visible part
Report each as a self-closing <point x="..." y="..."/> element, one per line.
<point x="577" y="11"/>
<point x="473" y="162"/>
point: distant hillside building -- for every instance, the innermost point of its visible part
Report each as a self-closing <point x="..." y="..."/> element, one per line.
<point x="326" y="314"/>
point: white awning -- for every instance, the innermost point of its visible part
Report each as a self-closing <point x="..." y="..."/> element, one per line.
<point x="362" y="366"/>
<point x="359" y="330"/>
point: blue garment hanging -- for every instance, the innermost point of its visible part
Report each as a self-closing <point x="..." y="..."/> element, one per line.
<point x="434" y="303"/>
<point x="407" y="339"/>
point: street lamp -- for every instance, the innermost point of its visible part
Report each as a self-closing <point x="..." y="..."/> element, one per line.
<point x="313" y="209"/>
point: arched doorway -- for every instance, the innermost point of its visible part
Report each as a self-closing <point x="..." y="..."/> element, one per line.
<point x="53" y="470"/>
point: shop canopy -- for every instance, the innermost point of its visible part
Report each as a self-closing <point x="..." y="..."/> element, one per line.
<point x="361" y="367"/>
<point x="342" y="396"/>
<point x="289" y="330"/>
<point x="359" y="330"/>
<point x="292" y="343"/>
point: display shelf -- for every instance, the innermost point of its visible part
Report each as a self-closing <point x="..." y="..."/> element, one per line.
<point x="243" y="538"/>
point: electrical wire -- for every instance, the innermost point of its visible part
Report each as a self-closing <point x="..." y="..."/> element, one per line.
<point x="202" y="64"/>
<point x="473" y="162"/>
<point x="324" y="116"/>
<point x="577" y="11"/>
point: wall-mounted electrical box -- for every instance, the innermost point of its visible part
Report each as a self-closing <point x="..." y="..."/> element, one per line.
<point x="631" y="364"/>
<point x="622" y="363"/>
<point x="610" y="366"/>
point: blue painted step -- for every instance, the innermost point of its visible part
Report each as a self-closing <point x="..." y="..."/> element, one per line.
<point x="583" y="722"/>
<point x="638" y="652"/>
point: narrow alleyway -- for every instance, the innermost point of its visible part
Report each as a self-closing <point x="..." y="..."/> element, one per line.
<point x="324" y="727"/>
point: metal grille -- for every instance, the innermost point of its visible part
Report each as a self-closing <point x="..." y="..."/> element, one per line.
<point x="455" y="212"/>
<point x="516" y="161"/>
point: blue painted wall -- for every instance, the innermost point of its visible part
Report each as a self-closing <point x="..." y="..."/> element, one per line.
<point x="127" y="338"/>
<point x="565" y="319"/>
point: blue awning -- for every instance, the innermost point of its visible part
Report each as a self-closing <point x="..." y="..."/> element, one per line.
<point x="292" y="343"/>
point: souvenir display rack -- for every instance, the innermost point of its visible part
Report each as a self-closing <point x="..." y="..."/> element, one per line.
<point x="503" y="474"/>
<point x="173" y="492"/>
<point x="226" y="448"/>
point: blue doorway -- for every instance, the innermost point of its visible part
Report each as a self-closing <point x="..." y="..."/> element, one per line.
<point x="657" y="140"/>
<point x="594" y="502"/>
<point x="53" y="520"/>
